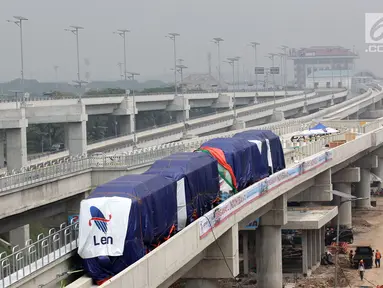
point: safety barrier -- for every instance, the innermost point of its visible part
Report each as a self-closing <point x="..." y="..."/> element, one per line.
<point x="36" y="255"/>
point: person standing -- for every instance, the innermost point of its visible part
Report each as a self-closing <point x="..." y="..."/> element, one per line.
<point x="377" y="258"/>
<point x="361" y="269"/>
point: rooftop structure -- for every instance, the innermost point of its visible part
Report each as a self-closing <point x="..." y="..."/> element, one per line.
<point x="321" y="58"/>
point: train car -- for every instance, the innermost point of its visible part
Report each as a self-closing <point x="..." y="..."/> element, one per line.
<point x="197" y="180"/>
<point x="126" y="218"/>
<point x="121" y="220"/>
<point x="243" y="157"/>
<point x="269" y="145"/>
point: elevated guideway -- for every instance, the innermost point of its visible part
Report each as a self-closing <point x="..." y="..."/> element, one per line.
<point x="252" y="115"/>
<point x="177" y="256"/>
<point x="141" y="159"/>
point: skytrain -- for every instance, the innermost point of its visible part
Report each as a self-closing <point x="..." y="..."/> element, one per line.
<point x="123" y="220"/>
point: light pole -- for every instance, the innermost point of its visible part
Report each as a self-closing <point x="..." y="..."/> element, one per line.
<point x="271" y="56"/>
<point x="232" y="61"/>
<point x="181" y="67"/>
<point x="19" y="22"/>
<point x="217" y="41"/>
<point x="132" y="75"/>
<point x="237" y="71"/>
<point x="119" y="64"/>
<point x="122" y="33"/>
<point x="254" y="45"/>
<point x="352" y="198"/>
<point x="173" y="36"/>
<point x="282" y="55"/>
<point x="75" y="31"/>
<point x="284" y="49"/>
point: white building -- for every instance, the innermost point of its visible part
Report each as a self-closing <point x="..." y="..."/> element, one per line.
<point x="329" y="79"/>
<point x="203" y="82"/>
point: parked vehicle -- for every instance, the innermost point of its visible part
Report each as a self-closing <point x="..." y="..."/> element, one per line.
<point x="345" y="235"/>
<point x="364" y="253"/>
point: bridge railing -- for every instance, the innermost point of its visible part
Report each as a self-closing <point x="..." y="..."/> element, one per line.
<point x="22" y="262"/>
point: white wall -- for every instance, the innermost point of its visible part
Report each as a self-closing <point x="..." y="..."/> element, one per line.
<point x="322" y="81"/>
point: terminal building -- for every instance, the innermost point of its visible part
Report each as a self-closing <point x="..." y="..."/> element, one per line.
<point x="323" y="66"/>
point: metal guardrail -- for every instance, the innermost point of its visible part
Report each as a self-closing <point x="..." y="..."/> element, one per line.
<point x="36" y="255"/>
<point x="13" y="98"/>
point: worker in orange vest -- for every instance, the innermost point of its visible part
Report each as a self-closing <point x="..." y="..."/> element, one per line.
<point x="377" y="258"/>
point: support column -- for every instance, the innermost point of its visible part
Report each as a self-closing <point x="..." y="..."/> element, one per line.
<point x="77" y="142"/>
<point x="305" y="265"/>
<point x="323" y="246"/>
<point x="269" y="261"/>
<point x="245" y="245"/>
<point x="378" y="171"/>
<point x="181" y="106"/>
<point x="319" y="244"/>
<point x="214" y="265"/>
<point x="19" y="236"/>
<point x="345" y="210"/>
<point x="314" y="247"/>
<point x="309" y="250"/>
<point x="126" y="124"/>
<point x="16" y="148"/>
<point x="2" y="154"/>
<point x="269" y="245"/>
<point x="363" y="189"/>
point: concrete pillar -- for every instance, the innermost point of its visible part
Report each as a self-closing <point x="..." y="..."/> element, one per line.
<point x="2" y="154"/>
<point x="214" y="265"/>
<point x="363" y="189"/>
<point x="277" y="116"/>
<point x="323" y="246"/>
<point x="201" y="283"/>
<point x="319" y="244"/>
<point x="252" y="248"/>
<point x="180" y="115"/>
<point x="309" y="249"/>
<point x="77" y="142"/>
<point x="245" y="246"/>
<point x="238" y="125"/>
<point x="126" y="124"/>
<point x="269" y="256"/>
<point x="344" y="212"/>
<point x="16" y="148"/>
<point x="378" y="171"/>
<point x="314" y="247"/>
<point x="66" y="136"/>
<point x="305" y="265"/>
<point x="19" y="236"/>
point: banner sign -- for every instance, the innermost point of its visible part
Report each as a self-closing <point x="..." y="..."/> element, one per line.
<point x="259" y="70"/>
<point x="218" y="215"/>
<point x="314" y="162"/>
<point x="274" y="70"/>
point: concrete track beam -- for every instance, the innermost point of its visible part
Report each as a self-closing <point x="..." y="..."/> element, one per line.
<point x="347" y="175"/>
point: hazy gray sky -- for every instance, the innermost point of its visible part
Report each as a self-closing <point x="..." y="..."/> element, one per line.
<point x="296" y="23"/>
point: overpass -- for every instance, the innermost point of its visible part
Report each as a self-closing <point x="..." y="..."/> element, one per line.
<point x="36" y="179"/>
<point x="252" y="115"/>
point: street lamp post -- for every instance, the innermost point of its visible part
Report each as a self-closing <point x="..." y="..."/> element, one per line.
<point x="282" y="56"/>
<point x="132" y="75"/>
<point x="271" y="56"/>
<point x="337" y="236"/>
<point x="122" y="33"/>
<point x="181" y="67"/>
<point x="232" y="61"/>
<point x="75" y="31"/>
<point x="254" y="45"/>
<point x="19" y="22"/>
<point x="217" y="41"/>
<point x="284" y="49"/>
<point x="238" y="71"/>
<point x="173" y="36"/>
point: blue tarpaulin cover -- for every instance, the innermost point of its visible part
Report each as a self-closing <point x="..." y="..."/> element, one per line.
<point x="200" y="174"/>
<point x="153" y="212"/>
<point x="244" y="157"/>
<point x="277" y="155"/>
<point x="319" y="126"/>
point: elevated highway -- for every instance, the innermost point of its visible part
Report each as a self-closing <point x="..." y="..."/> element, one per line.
<point x="252" y="115"/>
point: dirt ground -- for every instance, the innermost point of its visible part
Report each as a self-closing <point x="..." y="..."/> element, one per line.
<point x="368" y="229"/>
